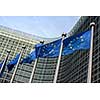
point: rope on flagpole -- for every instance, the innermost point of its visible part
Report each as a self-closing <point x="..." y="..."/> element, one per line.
<point x="89" y="76"/>
<point x="59" y="58"/>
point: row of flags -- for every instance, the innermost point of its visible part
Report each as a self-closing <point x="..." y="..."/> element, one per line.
<point x="71" y="44"/>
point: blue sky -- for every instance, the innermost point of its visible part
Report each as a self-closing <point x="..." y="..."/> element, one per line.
<point x="44" y="26"/>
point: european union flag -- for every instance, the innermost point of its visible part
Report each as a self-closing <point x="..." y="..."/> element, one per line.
<point x="70" y="45"/>
<point x="13" y="62"/>
<point x="29" y="58"/>
<point x="76" y="42"/>
<point x="38" y="49"/>
<point x="48" y="50"/>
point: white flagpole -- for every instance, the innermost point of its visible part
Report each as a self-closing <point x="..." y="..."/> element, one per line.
<point x="23" y="48"/>
<point x="35" y="63"/>
<point x="91" y="52"/>
<point x="4" y="63"/>
<point x="59" y="58"/>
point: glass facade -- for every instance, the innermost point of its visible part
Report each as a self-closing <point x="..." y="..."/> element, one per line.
<point x="14" y="42"/>
<point x="73" y="67"/>
<point x="45" y="70"/>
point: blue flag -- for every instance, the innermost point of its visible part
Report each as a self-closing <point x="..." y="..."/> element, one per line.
<point x="13" y="62"/>
<point x="76" y="42"/>
<point x="70" y="45"/>
<point x="1" y="64"/>
<point x="29" y="58"/>
<point x="48" y="50"/>
<point x="38" y="48"/>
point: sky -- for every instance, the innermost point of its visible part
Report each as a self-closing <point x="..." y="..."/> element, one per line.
<point x="44" y="26"/>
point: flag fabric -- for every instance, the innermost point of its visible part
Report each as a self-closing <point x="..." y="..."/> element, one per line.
<point x="29" y="58"/>
<point x="76" y="42"/>
<point x="70" y="45"/>
<point x="13" y="62"/>
<point x="48" y="50"/>
<point x="38" y="49"/>
<point x="1" y="64"/>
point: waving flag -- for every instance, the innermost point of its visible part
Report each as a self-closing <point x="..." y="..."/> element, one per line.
<point x="13" y="62"/>
<point x="48" y="50"/>
<point x="29" y="58"/>
<point x="70" y="45"/>
<point x="38" y="49"/>
<point x="76" y="42"/>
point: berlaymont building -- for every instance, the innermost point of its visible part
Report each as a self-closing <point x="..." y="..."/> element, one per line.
<point x="73" y="68"/>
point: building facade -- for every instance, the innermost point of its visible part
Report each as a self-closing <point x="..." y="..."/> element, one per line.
<point x="73" y="67"/>
<point x="14" y="40"/>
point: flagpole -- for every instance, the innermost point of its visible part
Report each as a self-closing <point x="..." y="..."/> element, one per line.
<point x="35" y="63"/>
<point x="12" y="78"/>
<point x="4" y="63"/>
<point x="59" y="58"/>
<point x="92" y="25"/>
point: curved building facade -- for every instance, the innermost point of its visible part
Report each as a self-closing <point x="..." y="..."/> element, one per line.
<point x="14" y="40"/>
<point x="73" y="67"/>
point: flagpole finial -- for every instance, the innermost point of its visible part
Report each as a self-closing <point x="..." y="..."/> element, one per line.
<point x="42" y="42"/>
<point x="8" y="51"/>
<point x="63" y="34"/>
<point x="92" y="24"/>
<point x="23" y="47"/>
